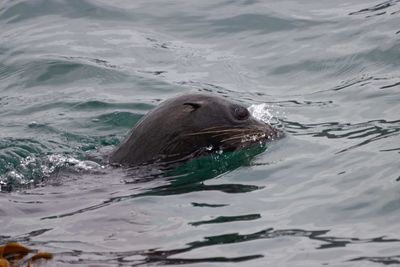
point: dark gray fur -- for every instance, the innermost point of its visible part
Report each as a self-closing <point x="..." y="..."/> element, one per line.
<point x="189" y="126"/>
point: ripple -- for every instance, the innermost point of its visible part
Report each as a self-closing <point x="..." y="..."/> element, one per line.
<point x="364" y="133"/>
<point x="168" y="256"/>
<point x="118" y="119"/>
<point x="22" y="238"/>
<point x="77" y="74"/>
<point x="258" y="22"/>
<point x="385" y="260"/>
<point x="161" y="191"/>
<point x="390" y="86"/>
<point x="96" y="104"/>
<point x="225" y="219"/>
<point x="377" y="10"/>
<point x="26" y="162"/>
<point x="17" y="11"/>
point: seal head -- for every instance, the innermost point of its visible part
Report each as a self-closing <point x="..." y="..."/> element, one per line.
<point x="190" y="126"/>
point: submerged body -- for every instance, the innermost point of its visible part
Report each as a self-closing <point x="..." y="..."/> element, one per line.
<point x="190" y="126"/>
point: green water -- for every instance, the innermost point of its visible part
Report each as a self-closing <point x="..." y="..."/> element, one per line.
<point x="75" y="76"/>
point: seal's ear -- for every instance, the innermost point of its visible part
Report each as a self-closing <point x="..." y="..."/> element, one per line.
<point x="193" y="105"/>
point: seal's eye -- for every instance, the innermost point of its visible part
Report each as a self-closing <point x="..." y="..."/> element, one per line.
<point x="241" y="113"/>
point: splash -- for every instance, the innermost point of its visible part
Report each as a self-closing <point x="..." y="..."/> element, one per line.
<point x="57" y="161"/>
<point x="267" y="113"/>
<point x="34" y="170"/>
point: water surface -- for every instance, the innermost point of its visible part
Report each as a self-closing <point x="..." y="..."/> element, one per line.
<point x="77" y="75"/>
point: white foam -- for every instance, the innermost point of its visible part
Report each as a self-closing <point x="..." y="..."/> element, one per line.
<point x="266" y="113"/>
<point x="60" y="160"/>
<point x="31" y="166"/>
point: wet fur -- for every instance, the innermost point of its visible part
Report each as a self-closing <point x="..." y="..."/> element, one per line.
<point x="188" y="126"/>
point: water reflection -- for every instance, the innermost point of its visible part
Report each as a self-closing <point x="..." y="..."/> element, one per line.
<point x="363" y="133"/>
<point x="186" y="178"/>
<point x="164" y="256"/>
<point x="225" y="219"/>
<point x="377" y="10"/>
<point x="76" y="75"/>
<point x="23" y="238"/>
<point x="387" y="260"/>
<point x="171" y="256"/>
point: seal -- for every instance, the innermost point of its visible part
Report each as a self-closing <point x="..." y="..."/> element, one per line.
<point x="189" y="126"/>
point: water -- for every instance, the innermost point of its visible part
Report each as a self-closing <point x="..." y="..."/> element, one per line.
<point x="76" y="75"/>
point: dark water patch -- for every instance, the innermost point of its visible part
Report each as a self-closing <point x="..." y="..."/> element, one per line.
<point x="189" y="173"/>
<point x="168" y="256"/>
<point x="385" y="260"/>
<point x="27" y="162"/>
<point x="156" y="72"/>
<point x="318" y="235"/>
<point x="172" y="261"/>
<point x="158" y="44"/>
<point x="390" y="86"/>
<point x="225" y="219"/>
<point x="163" y="191"/>
<point x="225" y="188"/>
<point x="13" y="151"/>
<point x="142" y="258"/>
<point x="376" y="10"/>
<point x="391" y="149"/>
<point x="25" y="237"/>
<point x="55" y="69"/>
<point x="189" y="177"/>
<point x="201" y="205"/>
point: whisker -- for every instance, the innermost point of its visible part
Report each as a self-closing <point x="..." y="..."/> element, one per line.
<point x="249" y="135"/>
<point x="216" y="131"/>
<point x="233" y="138"/>
<point x="223" y="127"/>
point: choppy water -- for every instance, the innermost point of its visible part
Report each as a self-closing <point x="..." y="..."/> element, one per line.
<point x="76" y="75"/>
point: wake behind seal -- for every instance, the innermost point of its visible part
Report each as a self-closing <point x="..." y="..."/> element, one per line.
<point x="190" y="126"/>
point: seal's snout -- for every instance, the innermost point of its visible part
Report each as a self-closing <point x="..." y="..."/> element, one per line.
<point x="272" y="133"/>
